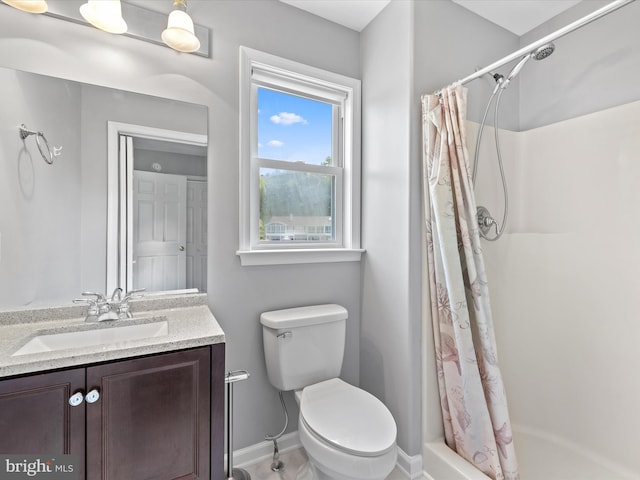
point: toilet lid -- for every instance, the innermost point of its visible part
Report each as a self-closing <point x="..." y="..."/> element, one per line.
<point x="348" y="418"/>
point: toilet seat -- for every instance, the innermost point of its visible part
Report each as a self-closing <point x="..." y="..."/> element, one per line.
<point x="348" y="418"/>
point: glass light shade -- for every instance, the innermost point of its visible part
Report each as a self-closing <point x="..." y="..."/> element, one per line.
<point x="179" y="33"/>
<point x="31" y="6"/>
<point x="105" y="15"/>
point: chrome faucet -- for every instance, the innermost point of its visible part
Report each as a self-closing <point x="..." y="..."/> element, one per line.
<point x="100" y="309"/>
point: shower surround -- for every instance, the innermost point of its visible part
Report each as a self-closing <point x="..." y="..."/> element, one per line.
<point x="564" y="284"/>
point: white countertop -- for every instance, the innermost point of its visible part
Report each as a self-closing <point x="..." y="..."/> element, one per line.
<point x="190" y="324"/>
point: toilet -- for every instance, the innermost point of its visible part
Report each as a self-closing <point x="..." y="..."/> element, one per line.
<point x="347" y="433"/>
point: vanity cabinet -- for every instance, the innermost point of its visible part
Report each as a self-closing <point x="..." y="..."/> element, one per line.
<point x="158" y="417"/>
<point x="36" y="418"/>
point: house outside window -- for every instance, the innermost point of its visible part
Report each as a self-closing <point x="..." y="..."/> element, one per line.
<point x="299" y="163"/>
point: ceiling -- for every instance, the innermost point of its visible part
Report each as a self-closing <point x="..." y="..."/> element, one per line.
<point x="517" y="16"/>
<point x="354" y="14"/>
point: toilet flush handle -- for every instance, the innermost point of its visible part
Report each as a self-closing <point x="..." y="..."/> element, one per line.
<point x="285" y="335"/>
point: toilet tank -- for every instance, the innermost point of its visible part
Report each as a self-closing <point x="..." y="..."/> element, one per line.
<point x="303" y="345"/>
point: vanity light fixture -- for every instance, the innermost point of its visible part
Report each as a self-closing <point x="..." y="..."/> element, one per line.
<point x="31" y="6"/>
<point x="179" y="33"/>
<point x="105" y="15"/>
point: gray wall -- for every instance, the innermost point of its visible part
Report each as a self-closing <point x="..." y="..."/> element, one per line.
<point x="451" y="43"/>
<point x="39" y="203"/>
<point x="577" y="79"/>
<point x="390" y="328"/>
<point x="237" y="294"/>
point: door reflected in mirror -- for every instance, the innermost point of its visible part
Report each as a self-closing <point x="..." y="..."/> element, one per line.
<point x="163" y="212"/>
<point x="169" y="244"/>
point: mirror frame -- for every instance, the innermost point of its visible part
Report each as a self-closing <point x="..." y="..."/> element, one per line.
<point x="119" y="196"/>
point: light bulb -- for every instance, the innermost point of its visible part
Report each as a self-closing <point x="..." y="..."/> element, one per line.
<point x="31" y="6"/>
<point x="105" y="15"/>
<point x="179" y="33"/>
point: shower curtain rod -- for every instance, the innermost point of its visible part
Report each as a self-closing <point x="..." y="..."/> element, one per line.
<point x="601" y="12"/>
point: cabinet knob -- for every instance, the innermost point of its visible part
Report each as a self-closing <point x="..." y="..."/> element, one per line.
<point x="76" y="399"/>
<point x="93" y="396"/>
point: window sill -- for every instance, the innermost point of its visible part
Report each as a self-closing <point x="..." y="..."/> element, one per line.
<point x="288" y="257"/>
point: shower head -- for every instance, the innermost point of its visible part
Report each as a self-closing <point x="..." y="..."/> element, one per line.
<point x="544" y="51"/>
<point x="538" y="54"/>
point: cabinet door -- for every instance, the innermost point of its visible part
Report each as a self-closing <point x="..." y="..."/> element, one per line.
<point x="152" y="419"/>
<point x="36" y="418"/>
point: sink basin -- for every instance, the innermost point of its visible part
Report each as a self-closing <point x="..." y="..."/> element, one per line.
<point x="97" y="336"/>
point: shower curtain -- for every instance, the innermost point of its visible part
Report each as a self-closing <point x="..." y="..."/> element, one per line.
<point x="473" y="400"/>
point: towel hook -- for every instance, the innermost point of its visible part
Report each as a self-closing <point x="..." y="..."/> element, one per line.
<point x="43" y="145"/>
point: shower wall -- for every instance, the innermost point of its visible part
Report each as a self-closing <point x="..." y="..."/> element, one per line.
<point x="564" y="284"/>
<point x="563" y="279"/>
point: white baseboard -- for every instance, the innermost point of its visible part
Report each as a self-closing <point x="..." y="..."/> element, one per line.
<point x="409" y="467"/>
<point x="263" y="450"/>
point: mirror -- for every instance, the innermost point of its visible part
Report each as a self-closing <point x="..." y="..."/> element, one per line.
<point x="64" y="227"/>
<point x="158" y="223"/>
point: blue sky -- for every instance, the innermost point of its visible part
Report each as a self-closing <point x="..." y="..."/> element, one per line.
<point x="293" y="128"/>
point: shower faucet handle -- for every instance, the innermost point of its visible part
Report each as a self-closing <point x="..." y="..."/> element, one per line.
<point x="485" y="222"/>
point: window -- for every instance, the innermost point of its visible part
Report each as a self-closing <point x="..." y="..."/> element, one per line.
<point x="299" y="162"/>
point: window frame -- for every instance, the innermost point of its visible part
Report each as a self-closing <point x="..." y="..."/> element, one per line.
<point x="263" y="70"/>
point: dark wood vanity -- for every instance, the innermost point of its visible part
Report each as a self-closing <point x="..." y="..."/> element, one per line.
<point x="128" y="408"/>
<point x="157" y="417"/>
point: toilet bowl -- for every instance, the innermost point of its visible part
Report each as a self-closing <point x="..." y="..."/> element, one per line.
<point x="348" y="433"/>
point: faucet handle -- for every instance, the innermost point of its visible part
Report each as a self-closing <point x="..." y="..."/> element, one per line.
<point x="132" y="294"/>
<point x="100" y="298"/>
<point x="123" y="307"/>
<point x="92" y="311"/>
<point x="86" y="301"/>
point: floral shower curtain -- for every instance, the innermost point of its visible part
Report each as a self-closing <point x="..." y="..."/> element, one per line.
<point x="473" y="400"/>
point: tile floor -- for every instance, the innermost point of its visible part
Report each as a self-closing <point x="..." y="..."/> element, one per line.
<point x="292" y="460"/>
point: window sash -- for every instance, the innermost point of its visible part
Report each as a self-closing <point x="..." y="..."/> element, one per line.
<point x="314" y="91"/>
<point x="337" y="123"/>
<point x="337" y="205"/>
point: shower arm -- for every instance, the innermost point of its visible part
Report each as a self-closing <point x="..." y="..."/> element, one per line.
<point x="595" y="15"/>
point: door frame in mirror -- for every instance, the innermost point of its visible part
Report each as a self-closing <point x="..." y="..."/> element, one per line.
<point x="119" y="199"/>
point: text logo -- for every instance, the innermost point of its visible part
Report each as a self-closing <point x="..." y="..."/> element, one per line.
<point x="40" y="467"/>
